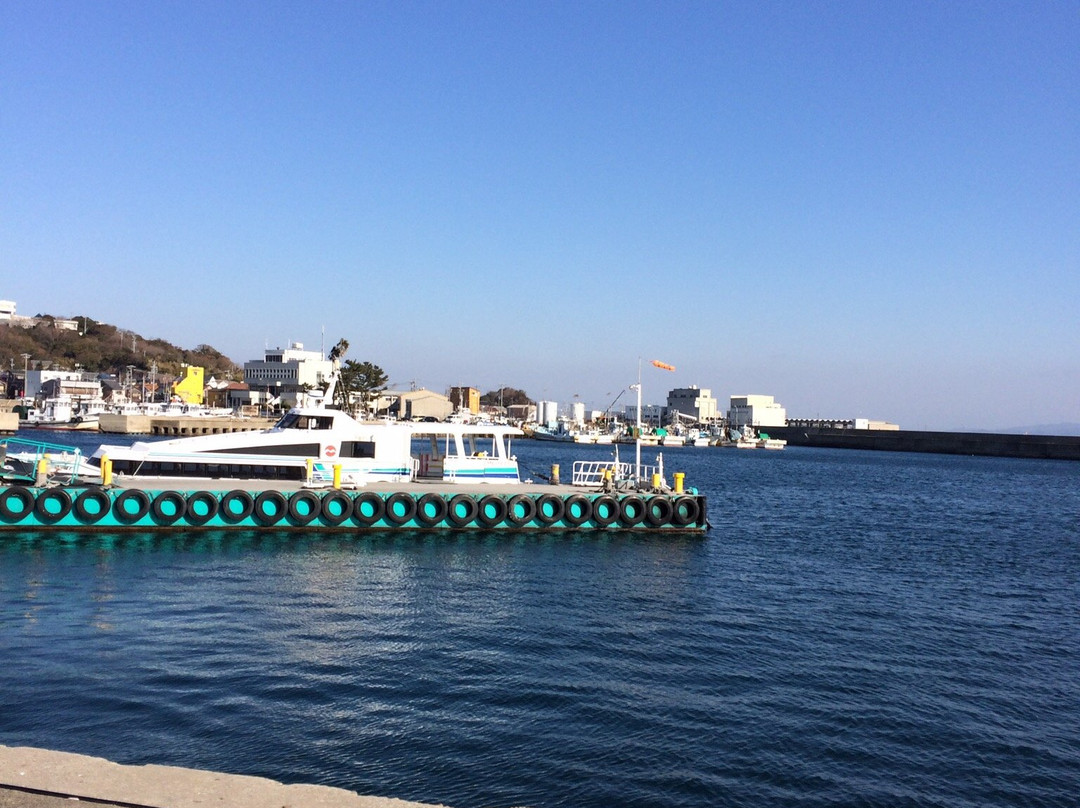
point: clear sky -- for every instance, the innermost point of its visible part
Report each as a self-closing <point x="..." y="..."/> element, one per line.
<point x="865" y="209"/>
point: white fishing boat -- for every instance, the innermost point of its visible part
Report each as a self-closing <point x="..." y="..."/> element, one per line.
<point x="746" y="439"/>
<point x="64" y="413"/>
<point x="308" y="442"/>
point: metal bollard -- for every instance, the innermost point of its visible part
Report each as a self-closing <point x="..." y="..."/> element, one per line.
<point x="337" y="475"/>
<point x="554" y="473"/>
<point x="656" y="482"/>
<point x="42" y="472"/>
<point x="106" y="470"/>
<point x="310" y="464"/>
<point x="679" y="477"/>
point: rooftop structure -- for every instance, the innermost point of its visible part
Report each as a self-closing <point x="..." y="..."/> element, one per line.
<point x="756" y="411"/>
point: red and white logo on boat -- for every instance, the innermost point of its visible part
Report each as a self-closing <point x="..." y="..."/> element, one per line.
<point x="330" y="450"/>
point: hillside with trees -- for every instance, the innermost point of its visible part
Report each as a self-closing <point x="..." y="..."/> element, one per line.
<point x="102" y="348"/>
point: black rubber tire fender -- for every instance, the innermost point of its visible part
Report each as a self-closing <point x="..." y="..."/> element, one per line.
<point x="577" y="510"/>
<point x="157" y="511"/>
<point x="119" y="506"/>
<point x="528" y="506"/>
<point x="659" y="510"/>
<point x="685" y="511"/>
<point x="558" y="508"/>
<point x="491" y="511"/>
<point x="605" y="510"/>
<point x="41" y="505"/>
<point x="454" y="517"/>
<point x="406" y="501"/>
<point x="426" y="519"/>
<point x="303" y="517"/>
<point x="205" y="498"/>
<point x="225" y="507"/>
<point x="326" y="510"/>
<point x="82" y="513"/>
<point x="377" y="505"/>
<point x="9" y="514"/>
<point x="280" y="506"/>
<point x="631" y="511"/>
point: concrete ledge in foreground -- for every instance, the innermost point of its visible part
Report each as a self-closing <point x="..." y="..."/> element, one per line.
<point x="26" y="772"/>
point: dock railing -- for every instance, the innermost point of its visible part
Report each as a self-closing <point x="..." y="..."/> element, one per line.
<point x="21" y="458"/>
<point x="591" y="473"/>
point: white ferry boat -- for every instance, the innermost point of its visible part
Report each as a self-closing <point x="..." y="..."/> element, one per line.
<point x="308" y="442"/>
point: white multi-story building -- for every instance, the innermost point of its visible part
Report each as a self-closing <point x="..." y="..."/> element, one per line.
<point x="65" y="382"/>
<point x="756" y="411"/>
<point x="651" y="414"/>
<point x="694" y="402"/>
<point x="284" y="373"/>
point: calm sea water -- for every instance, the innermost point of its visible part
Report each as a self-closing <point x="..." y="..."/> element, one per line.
<point x="857" y="629"/>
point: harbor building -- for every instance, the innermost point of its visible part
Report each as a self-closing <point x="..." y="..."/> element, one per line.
<point x="694" y="402"/>
<point x="522" y="413"/>
<point x="415" y="405"/>
<point x="756" y="411"/>
<point x="465" y="398"/>
<point x="288" y="373"/>
<point x="190" y="389"/>
<point x="73" y="383"/>
<point x="651" y="414"/>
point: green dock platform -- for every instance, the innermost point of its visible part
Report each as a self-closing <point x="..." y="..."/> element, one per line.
<point x="222" y="504"/>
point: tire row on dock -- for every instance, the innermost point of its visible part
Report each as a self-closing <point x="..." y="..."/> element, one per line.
<point x="133" y="507"/>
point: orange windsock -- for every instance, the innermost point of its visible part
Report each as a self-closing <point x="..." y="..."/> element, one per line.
<point x="662" y="365"/>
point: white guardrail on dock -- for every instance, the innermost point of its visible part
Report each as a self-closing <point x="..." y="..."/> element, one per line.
<point x="591" y="472"/>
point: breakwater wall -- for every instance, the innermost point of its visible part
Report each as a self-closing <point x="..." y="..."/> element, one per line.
<point x="1051" y="447"/>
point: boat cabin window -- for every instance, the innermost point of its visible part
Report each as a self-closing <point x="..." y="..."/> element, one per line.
<point x="295" y="420"/>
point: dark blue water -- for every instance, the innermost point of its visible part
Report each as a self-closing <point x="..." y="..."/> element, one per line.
<point x="857" y="629"/>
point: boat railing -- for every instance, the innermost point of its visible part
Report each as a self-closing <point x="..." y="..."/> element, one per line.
<point x="623" y="475"/>
<point x="21" y="458"/>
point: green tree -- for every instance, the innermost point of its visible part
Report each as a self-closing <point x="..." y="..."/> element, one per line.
<point x="505" y="397"/>
<point x="364" y="379"/>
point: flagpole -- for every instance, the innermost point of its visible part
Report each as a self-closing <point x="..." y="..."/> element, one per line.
<point x="637" y="442"/>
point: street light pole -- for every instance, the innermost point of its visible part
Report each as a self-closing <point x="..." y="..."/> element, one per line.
<point x="25" y="370"/>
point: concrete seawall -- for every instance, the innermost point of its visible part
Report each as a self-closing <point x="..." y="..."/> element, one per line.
<point x="46" y="779"/>
<point x="1052" y="447"/>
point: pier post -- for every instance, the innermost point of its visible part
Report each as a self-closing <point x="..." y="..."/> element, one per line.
<point x="679" y="477"/>
<point x="554" y="473"/>
<point x="42" y="473"/>
<point x="310" y="464"/>
<point x="106" y="470"/>
<point x="337" y="475"/>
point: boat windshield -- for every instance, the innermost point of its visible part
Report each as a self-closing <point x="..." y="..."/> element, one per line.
<point x="296" y="420"/>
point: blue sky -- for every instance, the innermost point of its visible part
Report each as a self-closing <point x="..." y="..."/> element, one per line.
<point x="864" y="209"/>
